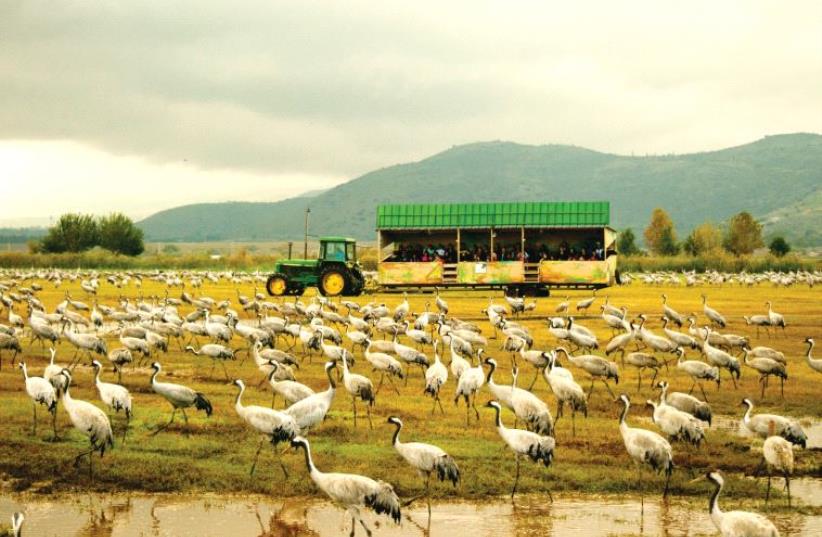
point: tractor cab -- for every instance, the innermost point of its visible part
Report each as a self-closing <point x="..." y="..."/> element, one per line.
<point x="335" y="271"/>
<point x="339" y="249"/>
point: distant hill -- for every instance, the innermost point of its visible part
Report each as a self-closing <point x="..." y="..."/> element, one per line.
<point x="765" y="177"/>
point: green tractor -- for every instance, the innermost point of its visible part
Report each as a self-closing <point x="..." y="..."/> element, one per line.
<point x="336" y="271"/>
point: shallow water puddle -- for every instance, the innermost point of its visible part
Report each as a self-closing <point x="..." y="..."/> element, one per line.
<point x="167" y="516"/>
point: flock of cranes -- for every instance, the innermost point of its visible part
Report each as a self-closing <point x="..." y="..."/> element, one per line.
<point x="282" y="336"/>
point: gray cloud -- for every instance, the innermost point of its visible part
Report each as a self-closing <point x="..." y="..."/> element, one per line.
<point x="339" y="88"/>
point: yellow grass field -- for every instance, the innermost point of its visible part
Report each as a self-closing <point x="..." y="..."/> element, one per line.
<point x="214" y="454"/>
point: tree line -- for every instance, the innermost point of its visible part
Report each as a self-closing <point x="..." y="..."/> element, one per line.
<point x="741" y="235"/>
<point x="81" y="232"/>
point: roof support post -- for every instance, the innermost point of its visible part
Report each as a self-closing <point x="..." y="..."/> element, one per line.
<point x="491" y="252"/>
<point x="459" y="245"/>
<point x="522" y="243"/>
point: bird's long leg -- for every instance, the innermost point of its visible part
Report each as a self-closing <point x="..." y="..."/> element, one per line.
<point x="273" y="398"/>
<point x="256" y="456"/>
<point x="768" y="491"/>
<point x="788" y="487"/>
<point x="354" y="407"/>
<point x="653" y="380"/>
<point x="474" y="405"/>
<point x="391" y="381"/>
<point x="516" y="479"/>
<point x="639" y="486"/>
<point x="762" y="383"/>
<point x="379" y="384"/>
<point x="34" y="419"/>
<point x="442" y="410"/>
<point x="368" y="413"/>
<point x="54" y="424"/>
<point x="782" y="387"/>
<point x="467" y="411"/>
<point x="591" y="390"/>
<point x="734" y="380"/>
<point x="639" y="381"/>
<point x="427" y="492"/>
<point x="164" y="427"/>
<point x="536" y="374"/>
<point x="609" y="388"/>
<point x="667" y="484"/>
<point x="366" y="528"/>
<point x="125" y="431"/>
<point x="225" y="371"/>
<point x="703" y="393"/>
<point x="692" y="388"/>
<point x="573" y="421"/>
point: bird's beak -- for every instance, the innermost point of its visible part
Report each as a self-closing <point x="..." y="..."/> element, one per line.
<point x="695" y="480"/>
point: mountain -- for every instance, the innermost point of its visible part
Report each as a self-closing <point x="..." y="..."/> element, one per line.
<point x="762" y="177"/>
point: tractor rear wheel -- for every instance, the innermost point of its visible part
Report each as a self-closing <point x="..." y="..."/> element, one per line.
<point x="277" y="284"/>
<point x="333" y="281"/>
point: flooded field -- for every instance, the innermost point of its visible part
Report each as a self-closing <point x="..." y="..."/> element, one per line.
<point x="161" y="516"/>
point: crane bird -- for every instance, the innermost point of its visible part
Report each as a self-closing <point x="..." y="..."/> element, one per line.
<point x="760" y="425"/>
<point x="531" y="410"/>
<point x="714" y="316"/>
<point x="114" y="396"/>
<point x="290" y="390"/>
<point x="698" y="371"/>
<point x="402" y="310"/>
<point x="677" y="424"/>
<point x="777" y="454"/>
<point x="41" y="392"/>
<point x="180" y="397"/>
<point x="501" y="392"/>
<point x="685" y="402"/>
<point x="217" y="353"/>
<point x="537" y="447"/>
<point x="596" y="367"/>
<point x="118" y="358"/>
<point x="17" y="524"/>
<point x="458" y="364"/>
<point x="468" y="386"/>
<point x="645" y="447"/>
<point x="620" y="342"/>
<point x="410" y="356"/>
<point x="8" y="342"/>
<point x="766" y="367"/>
<point x="776" y="319"/>
<point x="352" y="491"/>
<point x="642" y="361"/>
<point x="425" y="459"/>
<point x="85" y="343"/>
<point x="583" y="305"/>
<point x="566" y="390"/>
<point x="358" y="386"/>
<point x="275" y="425"/>
<point x="385" y="364"/>
<point x="736" y="523"/>
<point x="311" y="411"/>
<point x="562" y="307"/>
<point x="671" y="314"/>
<point x="814" y="363"/>
<point x="54" y="374"/>
<point x="682" y="340"/>
<point x="435" y="378"/>
<point x="759" y="321"/>
<point x="537" y="358"/>
<point x="90" y="421"/>
<point x="442" y="305"/>
<point x="720" y="358"/>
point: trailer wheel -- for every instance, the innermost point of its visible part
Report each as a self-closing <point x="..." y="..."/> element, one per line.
<point x="277" y="284"/>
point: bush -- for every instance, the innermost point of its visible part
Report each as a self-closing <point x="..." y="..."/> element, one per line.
<point x="718" y="260"/>
<point x="626" y="243"/>
<point x="72" y="233"/>
<point x="779" y="247"/>
<point x="119" y="235"/>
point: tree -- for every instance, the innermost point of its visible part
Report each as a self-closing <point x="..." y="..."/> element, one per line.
<point x="661" y="226"/>
<point x="703" y="239"/>
<point x="119" y="234"/>
<point x="744" y="234"/>
<point x="72" y="233"/>
<point x="626" y="243"/>
<point x="779" y="246"/>
<point x="667" y="243"/>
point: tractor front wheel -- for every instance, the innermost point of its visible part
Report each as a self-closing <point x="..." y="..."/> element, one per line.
<point x="332" y="282"/>
<point x="277" y="285"/>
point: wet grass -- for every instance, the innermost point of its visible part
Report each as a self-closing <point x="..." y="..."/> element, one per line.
<point x="214" y="454"/>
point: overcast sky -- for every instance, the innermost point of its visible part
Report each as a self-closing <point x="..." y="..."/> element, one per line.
<point x="141" y="106"/>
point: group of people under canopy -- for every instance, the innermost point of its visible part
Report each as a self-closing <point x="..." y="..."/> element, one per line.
<point x="447" y="253"/>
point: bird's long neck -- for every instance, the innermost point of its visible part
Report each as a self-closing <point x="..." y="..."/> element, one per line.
<point x="489" y="379"/>
<point x="622" y="424"/>
<point x="747" y="417"/>
<point x="154" y="377"/>
<point x="331" y="382"/>
<point x="663" y="396"/>
<point x="308" y="462"/>
<point x="396" y="439"/>
<point x="810" y="348"/>
<point x="97" y="375"/>
<point x="238" y="403"/>
<point x="498" y="419"/>
<point x="713" y="505"/>
<point x="25" y="373"/>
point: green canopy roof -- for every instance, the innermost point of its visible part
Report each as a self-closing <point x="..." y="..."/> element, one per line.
<point x="499" y="215"/>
